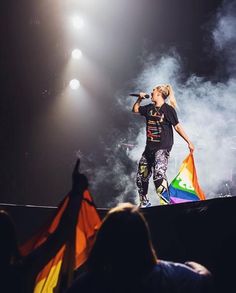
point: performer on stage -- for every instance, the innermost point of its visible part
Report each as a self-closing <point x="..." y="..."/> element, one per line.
<point x="160" y="117"/>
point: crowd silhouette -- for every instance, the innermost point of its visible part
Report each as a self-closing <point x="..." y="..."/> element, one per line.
<point x="122" y="258"/>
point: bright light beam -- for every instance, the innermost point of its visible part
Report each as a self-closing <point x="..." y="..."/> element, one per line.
<point x="74" y="84"/>
<point x="76" y="54"/>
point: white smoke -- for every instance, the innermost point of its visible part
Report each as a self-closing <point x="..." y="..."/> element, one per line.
<point x="224" y="35"/>
<point x="206" y="111"/>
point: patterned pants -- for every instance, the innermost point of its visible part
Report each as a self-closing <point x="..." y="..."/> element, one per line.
<point x="151" y="162"/>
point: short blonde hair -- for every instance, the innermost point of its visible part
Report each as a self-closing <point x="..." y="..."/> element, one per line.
<point x="167" y="92"/>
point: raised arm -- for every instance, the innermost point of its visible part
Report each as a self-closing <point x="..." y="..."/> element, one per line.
<point x="136" y="105"/>
<point x="40" y="256"/>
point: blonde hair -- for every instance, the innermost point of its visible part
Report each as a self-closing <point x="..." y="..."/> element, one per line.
<point x="167" y="91"/>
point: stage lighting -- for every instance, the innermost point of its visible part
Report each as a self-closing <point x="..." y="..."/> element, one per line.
<point x="76" y="54"/>
<point x="74" y="84"/>
<point x="77" y="22"/>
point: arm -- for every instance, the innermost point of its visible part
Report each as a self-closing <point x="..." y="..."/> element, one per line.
<point x="198" y="268"/>
<point x="40" y="256"/>
<point x="136" y="105"/>
<point x="179" y="129"/>
<point x="206" y="277"/>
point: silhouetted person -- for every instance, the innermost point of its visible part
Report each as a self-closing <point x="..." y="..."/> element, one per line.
<point x="17" y="274"/>
<point x="123" y="260"/>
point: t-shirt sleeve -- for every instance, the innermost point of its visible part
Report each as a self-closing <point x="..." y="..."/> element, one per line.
<point x="171" y="116"/>
<point x="187" y="279"/>
<point x="143" y="110"/>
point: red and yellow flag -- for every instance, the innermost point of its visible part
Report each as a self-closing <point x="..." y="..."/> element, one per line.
<point x="88" y="222"/>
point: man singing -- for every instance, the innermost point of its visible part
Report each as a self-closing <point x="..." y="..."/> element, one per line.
<point x="160" y="117"/>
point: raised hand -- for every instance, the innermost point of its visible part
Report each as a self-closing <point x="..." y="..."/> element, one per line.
<point x="79" y="181"/>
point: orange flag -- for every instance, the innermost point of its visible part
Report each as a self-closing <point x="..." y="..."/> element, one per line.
<point x="83" y="234"/>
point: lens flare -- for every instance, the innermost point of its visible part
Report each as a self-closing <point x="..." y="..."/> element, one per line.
<point x="74" y="84"/>
<point x="76" y="54"/>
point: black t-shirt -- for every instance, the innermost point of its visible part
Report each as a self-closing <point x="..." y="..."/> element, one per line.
<point x="159" y="123"/>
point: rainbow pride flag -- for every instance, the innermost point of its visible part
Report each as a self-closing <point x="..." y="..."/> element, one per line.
<point x="69" y="256"/>
<point x="184" y="187"/>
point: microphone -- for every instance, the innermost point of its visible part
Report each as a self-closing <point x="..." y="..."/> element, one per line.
<point x="137" y="95"/>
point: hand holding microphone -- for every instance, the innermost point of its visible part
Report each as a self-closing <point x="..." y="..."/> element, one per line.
<point x="142" y="95"/>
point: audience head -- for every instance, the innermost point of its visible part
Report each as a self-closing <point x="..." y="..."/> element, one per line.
<point x="123" y="243"/>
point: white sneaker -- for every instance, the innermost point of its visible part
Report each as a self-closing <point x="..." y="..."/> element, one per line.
<point x="144" y="202"/>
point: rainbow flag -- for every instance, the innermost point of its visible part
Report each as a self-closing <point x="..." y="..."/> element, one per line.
<point x="184" y="187"/>
<point x="73" y="252"/>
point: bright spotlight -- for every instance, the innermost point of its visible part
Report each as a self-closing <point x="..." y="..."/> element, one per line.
<point x="74" y="84"/>
<point x="76" y="54"/>
<point x="77" y="22"/>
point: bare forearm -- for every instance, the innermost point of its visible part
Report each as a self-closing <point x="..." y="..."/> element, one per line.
<point x="137" y="105"/>
<point x="179" y="129"/>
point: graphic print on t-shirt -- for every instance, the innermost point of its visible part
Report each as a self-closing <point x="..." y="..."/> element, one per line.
<point x="154" y="119"/>
<point x="159" y="122"/>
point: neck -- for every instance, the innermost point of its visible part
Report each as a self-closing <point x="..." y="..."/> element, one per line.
<point x="159" y="103"/>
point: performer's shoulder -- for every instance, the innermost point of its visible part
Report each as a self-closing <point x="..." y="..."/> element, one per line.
<point x="167" y="107"/>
